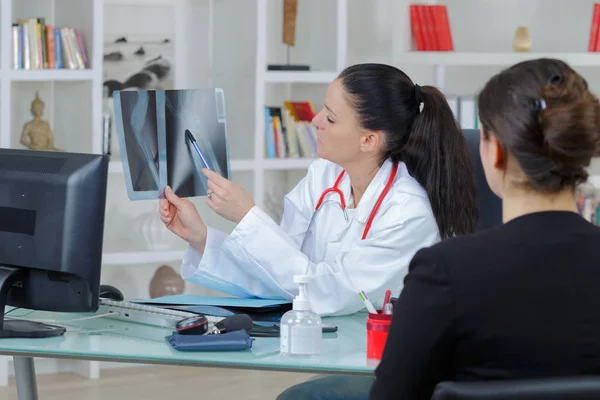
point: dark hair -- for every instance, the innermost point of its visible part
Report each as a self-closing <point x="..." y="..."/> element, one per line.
<point x="429" y="142"/>
<point x="544" y="116"/>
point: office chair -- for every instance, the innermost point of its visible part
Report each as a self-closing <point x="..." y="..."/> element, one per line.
<point x="559" y="388"/>
<point x="490" y="205"/>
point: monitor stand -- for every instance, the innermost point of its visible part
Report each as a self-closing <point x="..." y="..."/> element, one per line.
<point x="20" y="328"/>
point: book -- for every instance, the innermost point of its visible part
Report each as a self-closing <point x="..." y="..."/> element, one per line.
<point x="37" y="45"/>
<point x="594" y="29"/>
<point x="430" y="27"/>
<point x="288" y="130"/>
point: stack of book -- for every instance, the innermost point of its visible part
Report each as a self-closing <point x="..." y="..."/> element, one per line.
<point x="465" y="110"/>
<point x="588" y="204"/>
<point x="430" y="27"/>
<point x="289" y="132"/>
<point x="36" y="45"/>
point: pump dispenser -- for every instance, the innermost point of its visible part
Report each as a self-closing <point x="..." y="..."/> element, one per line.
<point x="301" y="330"/>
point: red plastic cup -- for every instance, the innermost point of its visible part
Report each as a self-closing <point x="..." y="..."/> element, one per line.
<point x="378" y="326"/>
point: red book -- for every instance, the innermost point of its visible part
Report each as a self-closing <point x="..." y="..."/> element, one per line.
<point x="303" y="110"/>
<point x="597" y="46"/>
<point x="442" y="23"/>
<point x="276" y="134"/>
<point x="427" y="24"/>
<point x="50" y="46"/>
<point x="434" y="27"/>
<point x="417" y="28"/>
<point x="592" y="46"/>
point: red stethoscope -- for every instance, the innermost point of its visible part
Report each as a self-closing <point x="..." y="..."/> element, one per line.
<point x="343" y="201"/>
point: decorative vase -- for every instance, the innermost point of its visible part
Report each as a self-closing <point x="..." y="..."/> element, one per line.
<point x="522" y="40"/>
<point x="166" y="282"/>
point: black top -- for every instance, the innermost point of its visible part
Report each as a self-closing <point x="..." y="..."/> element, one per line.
<point x="521" y="300"/>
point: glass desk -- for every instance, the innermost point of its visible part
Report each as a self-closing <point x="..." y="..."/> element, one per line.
<point x="104" y="339"/>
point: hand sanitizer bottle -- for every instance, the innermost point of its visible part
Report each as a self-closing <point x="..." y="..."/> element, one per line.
<point x="301" y="330"/>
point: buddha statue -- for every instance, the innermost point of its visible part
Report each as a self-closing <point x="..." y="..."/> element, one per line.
<point x="37" y="134"/>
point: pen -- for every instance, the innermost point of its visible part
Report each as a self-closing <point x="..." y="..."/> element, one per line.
<point x="193" y="140"/>
<point x="367" y="302"/>
<point x="387" y="297"/>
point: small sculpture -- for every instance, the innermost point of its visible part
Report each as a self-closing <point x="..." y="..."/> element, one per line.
<point x="290" y="15"/>
<point x="166" y="282"/>
<point x="522" y="40"/>
<point x="37" y="134"/>
<point x="290" y="10"/>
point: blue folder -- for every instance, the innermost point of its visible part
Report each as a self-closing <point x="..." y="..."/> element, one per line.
<point x="265" y="310"/>
<point x="234" y="302"/>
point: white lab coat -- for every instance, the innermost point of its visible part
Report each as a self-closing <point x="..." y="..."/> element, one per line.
<point x="260" y="258"/>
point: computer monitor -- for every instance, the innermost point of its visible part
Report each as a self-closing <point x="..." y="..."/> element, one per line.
<point x="52" y="208"/>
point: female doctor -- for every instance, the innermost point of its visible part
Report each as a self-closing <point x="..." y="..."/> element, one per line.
<point x="394" y="175"/>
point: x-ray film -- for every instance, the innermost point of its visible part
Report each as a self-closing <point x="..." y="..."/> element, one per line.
<point x="195" y="114"/>
<point x="137" y="117"/>
<point x="167" y="137"/>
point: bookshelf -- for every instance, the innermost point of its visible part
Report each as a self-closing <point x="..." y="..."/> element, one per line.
<point x="547" y="22"/>
<point x="558" y="29"/>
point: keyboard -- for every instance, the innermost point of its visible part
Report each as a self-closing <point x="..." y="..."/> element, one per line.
<point x="147" y="315"/>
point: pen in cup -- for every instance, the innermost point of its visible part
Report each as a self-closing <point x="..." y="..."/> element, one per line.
<point x="387" y="297"/>
<point x="387" y="306"/>
<point x="367" y="302"/>
<point x="193" y="141"/>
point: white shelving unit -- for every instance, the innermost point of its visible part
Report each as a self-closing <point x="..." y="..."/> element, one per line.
<point x="141" y="257"/>
<point x="441" y="60"/>
<point x="298" y="77"/>
<point x="476" y="51"/>
<point x="264" y="78"/>
<point x="56" y="75"/>
<point x="493" y="59"/>
<point x="477" y="56"/>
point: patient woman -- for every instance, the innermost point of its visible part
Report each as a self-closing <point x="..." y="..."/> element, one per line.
<point x="521" y="300"/>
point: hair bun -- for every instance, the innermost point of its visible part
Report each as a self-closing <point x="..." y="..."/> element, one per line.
<point x="570" y="124"/>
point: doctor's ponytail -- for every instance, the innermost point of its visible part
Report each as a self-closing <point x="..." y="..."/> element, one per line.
<point x="421" y="131"/>
<point x="437" y="156"/>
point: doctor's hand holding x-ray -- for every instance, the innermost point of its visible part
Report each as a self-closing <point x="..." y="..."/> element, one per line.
<point x="227" y="199"/>
<point x="394" y="175"/>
